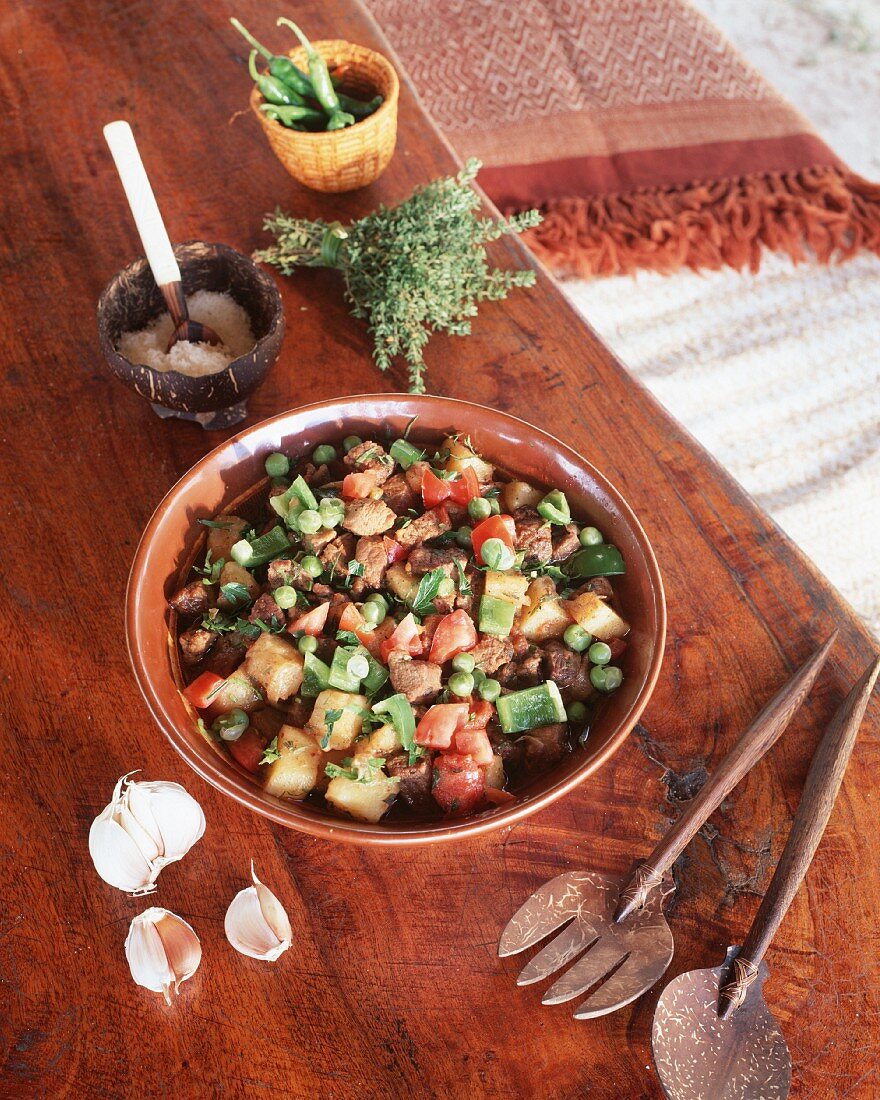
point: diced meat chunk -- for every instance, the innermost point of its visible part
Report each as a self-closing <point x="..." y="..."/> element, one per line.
<point x="195" y="644"/>
<point x="368" y="517"/>
<point x="544" y="746"/>
<point x="415" y="779"/>
<point x="419" y="681"/>
<point x="429" y="525"/>
<point x="285" y="571"/>
<point x="373" y="557"/>
<point x="580" y="688"/>
<point x="397" y="494"/>
<point x="370" y="456"/>
<point x="491" y="653"/>
<point x="227" y="654"/>
<point x="533" y="536"/>
<point x="266" y="609"/>
<point x="524" y="671"/>
<point x="192" y="599"/>
<point x="599" y="586"/>
<point x="414" y="476"/>
<point x="315" y="543"/>
<point x="561" y="664"/>
<point x="425" y="558"/>
<point x="565" y="541"/>
<point x="337" y="554"/>
<point x="315" y="475"/>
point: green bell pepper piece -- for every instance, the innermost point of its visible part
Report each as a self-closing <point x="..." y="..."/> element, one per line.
<point x="400" y="714"/>
<point x="340" y="677"/>
<point x="531" y="708"/>
<point x="299" y="488"/>
<point x="261" y="550"/>
<point x="554" y="508"/>
<point x="316" y="676"/>
<point x="600" y="560"/>
<point x="496" y="616"/>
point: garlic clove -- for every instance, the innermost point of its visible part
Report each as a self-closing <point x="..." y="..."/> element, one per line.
<point x="145" y="827"/>
<point x="117" y="858"/>
<point x="179" y="818"/>
<point x="162" y="951"/>
<point x="256" y="923"/>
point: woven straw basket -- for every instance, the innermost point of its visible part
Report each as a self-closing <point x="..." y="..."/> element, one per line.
<point x="341" y="160"/>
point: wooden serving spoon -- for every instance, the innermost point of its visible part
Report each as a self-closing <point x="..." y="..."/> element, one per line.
<point x="154" y="235"/>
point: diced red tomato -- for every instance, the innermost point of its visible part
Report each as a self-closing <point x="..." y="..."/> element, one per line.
<point x="495" y="527"/>
<point x="439" y="723"/>
<point x="467" y="488"/>
<point x="359" y="486"/>
<point x="393" y="550"/>
<point x="406" y="637"/>
<point x="434" y="489"/>
<point x="475" y="743"/>
<point x="498" y="797"/>
<point x="351" y="618"/>
<point x="617" y="647"/>
<point x="454" y="634"/>
<point x="312" y="622"/>
<point x="459" y="783"/>
<point x="203" y="688"/>
<point x="479" y="715"/>
<point x="248" y="750"/>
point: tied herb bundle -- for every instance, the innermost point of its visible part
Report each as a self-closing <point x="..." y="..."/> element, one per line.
<point x="411" y="270"/>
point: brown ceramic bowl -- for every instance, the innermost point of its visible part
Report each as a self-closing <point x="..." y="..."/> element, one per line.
<point x="131" y="300"/>
<point x="229" y="473"/>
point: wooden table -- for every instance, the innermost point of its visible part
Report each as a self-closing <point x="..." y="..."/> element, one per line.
<point x="393" y="988"/>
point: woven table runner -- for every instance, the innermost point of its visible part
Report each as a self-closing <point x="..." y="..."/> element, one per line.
<point x="639" y="131"/>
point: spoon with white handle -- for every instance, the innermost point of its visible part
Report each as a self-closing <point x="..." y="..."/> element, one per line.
<point x="153" y="234"/>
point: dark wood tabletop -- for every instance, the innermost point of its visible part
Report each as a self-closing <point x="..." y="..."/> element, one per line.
<point x="392" y="987"/>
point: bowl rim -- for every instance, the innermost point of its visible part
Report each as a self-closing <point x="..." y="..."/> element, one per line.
<point x="153" y="372"/>
<point x="214" y="771"/>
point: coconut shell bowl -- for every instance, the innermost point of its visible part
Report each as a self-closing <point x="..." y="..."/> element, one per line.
<point x="131" y="300"/>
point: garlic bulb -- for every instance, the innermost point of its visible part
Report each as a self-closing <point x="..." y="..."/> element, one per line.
<point x="162" y="951"/>
<point x="145" y="827"/>
<point x="256" y="923"/>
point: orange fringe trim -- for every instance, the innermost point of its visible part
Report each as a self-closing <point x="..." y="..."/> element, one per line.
<point x="826" y="214"/>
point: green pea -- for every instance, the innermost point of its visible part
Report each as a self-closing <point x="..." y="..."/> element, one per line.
<point x="576" y="638"/>
<point x="285" y="596"/>
<point x="309" y="521"/>
<point x="377" y="598"/>
<point x="373" y="613"/>
<point x="350" y="442"/>
<point x="490" y="690"/>
<point x="232" y="725"/>
<point x="479" y="508"/>
<point x="277" y="464"/>
<point x="576" y="712"/>
<point x="493" y="552"/>
<point x="312" y="565"/>
<point x="597" y="677"/>
<point x="590" y="536"/>
<point x="495" y="507"/>
<point x="613" y="677"/>
<point x="307" y="644"/>
<point x="463" y="537"/>
<point x="463" y="662"/>
<point x="446" y="588"/>
<point x="479" y="676"/>
<point x="324" y="454"/>
<point x="461" y="684"/>
<point x="332" y="511"/>
<point x="600" y="653"/>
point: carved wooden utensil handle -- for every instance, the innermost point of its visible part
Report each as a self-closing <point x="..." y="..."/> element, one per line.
<point x="820" y="791"/>
<point x="748" y="750"/>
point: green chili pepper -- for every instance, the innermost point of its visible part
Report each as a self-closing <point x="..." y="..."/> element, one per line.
<point x="273" y="90"/>
<point x="282" y="68"/>
<point x="496" y="616"/>
<point x="319" y="74"/>
<point x="339" y="120"/>
<point x="601" y="560"/>
<point x="357" y="107"/>
<point x="554" y="508"/>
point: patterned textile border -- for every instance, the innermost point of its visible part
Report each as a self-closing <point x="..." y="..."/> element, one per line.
<point x="636" y="127"/>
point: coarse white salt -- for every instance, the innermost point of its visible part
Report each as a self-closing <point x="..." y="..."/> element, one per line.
<point x="218" y="311"/>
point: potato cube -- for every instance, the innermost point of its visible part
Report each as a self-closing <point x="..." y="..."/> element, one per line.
<point x="337" y="718"/>
<point x="276" y="665"/>
<point x="363" y="801"/>
<point x="519" y="494"/>
<point x="596" y="617"/>
<point x="402" y="583"/>
<point x="240" y="691"/>
<point x="222" y="539"/>
<point x="462" y="456"/>
<point x="233" y="573"/>
<point x="295" y="772"/>
<point x="506" y="586"/>
<point x="382" y="742"/>
<point x="544" y="616"/>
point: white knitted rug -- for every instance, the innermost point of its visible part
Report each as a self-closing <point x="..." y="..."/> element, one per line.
<point x="778" y="375"/>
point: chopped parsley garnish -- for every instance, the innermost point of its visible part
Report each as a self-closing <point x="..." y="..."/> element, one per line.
<point x="464" y="585"/>
<point x="429" y="586"/>
<point x="356" y="568"/>
<point x="235" y="593"/>
<point x="214" y="523"/>
<point x="359" y="771"/>
<point x="211" y="570"/>
<point x="331" y="717"/>
<point x="347" y="637"/>
<point x="270" y="753"/>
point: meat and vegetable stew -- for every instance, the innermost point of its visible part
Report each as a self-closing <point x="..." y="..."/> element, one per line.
<point x="404" y="630"/>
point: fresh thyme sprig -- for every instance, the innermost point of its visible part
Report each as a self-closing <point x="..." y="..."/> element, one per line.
<point x="409" y="270"/>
